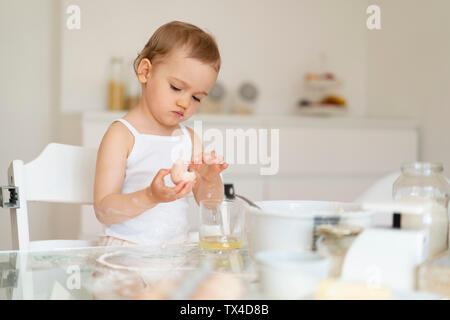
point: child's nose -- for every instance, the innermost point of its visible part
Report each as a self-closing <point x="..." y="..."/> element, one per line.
<point x="183" y="102"/>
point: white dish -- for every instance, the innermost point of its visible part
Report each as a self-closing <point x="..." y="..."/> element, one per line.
<point x="290" y="274"/>
<point x="289" y="225"/>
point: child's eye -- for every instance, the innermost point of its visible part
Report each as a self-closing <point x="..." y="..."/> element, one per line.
<point x="175" y="88"/>
<point x="196" y="99"/>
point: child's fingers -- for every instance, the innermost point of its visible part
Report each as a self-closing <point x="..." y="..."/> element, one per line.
<point x="161" y="174"/>
<point x="197" y="158"/>
<point x="179" y="187"/>
<point x="194" y="166"/>
<point x="186" y="189"/>
<point x="218" y="168"/>
<point x="171" y="191"/>
<point x="212" y="158"/>
<point x="207" y="158"/>
<point x="216" y="159"/>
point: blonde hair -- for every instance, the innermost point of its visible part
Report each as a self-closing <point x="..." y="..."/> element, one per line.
<point x="177" y="34"/>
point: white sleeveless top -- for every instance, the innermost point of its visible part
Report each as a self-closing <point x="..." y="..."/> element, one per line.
<point x="166" y="222"/>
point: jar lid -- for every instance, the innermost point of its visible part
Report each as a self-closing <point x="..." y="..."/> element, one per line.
<point x="422" y="167"/>
<point x="339" y="230"/>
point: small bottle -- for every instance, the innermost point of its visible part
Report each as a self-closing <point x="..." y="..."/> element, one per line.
<point x="132" y="88"/>
<point x="133" y="94"/>
<point x="115" y="85"/>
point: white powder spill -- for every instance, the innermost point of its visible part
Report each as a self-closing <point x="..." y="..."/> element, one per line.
<point x="139" y="203"/>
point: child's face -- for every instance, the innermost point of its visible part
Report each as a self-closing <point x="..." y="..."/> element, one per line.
<point x="173" y="88"/>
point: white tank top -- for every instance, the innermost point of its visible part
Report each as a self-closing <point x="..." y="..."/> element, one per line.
<point x="166" y="222"/>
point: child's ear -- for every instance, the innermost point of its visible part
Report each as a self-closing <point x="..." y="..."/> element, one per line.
<point x="144" y="70"/>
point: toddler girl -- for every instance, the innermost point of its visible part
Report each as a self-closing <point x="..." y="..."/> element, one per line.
<point x="134" y="196"/>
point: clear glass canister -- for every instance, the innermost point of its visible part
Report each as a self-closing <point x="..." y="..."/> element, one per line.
<point x="422" y="180"/>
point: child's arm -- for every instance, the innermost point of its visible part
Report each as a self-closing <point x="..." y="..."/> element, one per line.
<point x="110" y="205"/>
<point x="210" y="185"/>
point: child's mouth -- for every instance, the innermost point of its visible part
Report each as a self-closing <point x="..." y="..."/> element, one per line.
<point x="178" y="114"/>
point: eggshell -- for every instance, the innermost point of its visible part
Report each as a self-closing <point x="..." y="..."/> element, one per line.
<point x="178" y="172"/>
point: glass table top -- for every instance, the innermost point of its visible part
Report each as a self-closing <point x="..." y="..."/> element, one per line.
<point x="132" y="272"/>
<point x="136" y="272"/>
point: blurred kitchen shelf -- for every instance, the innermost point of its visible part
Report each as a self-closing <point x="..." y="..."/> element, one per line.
<point x="323" y="111"/>
<point x="273" y="120"/>
<point x="322" y="84"/>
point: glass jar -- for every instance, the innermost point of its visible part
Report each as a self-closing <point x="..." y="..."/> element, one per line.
<point x="422" y="180"/>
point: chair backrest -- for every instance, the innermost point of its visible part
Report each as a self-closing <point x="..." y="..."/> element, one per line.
<point x="380" y="190"/>
<point x="61" y="173"/>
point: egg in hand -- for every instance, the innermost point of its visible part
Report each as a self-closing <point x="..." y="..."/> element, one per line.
<point x="179" y="172"/>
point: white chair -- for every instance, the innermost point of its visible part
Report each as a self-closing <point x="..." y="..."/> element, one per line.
<point x="380" y="190"/>
<point x="61" y="173"/>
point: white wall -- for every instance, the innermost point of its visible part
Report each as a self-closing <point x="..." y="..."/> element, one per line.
<point x="409" y="70"/>
<point x="271" y="43"/>
<point x="28" y="64"/>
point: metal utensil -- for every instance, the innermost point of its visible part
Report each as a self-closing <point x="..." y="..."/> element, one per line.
<point x="230" y="194"/>
<point x="248" y="201"/>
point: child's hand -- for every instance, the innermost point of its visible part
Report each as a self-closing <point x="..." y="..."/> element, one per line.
<point x="159" y="192"/>
<point x="209" y="167"/>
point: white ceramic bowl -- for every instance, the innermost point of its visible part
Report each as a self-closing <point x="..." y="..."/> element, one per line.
<point x="289" y="225"/>
<point x="290" y="274"/>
